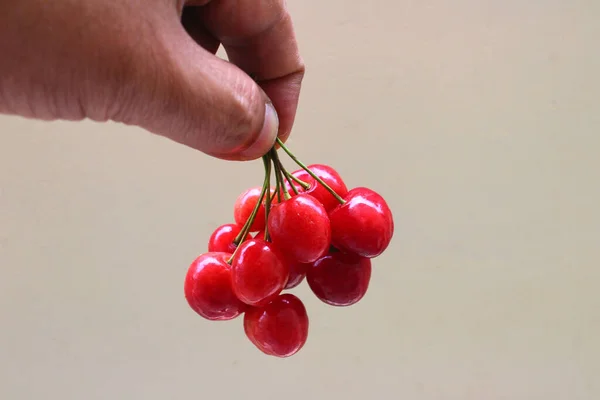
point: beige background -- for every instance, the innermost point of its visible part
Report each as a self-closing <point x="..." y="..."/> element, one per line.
<point x="478" y="121"/>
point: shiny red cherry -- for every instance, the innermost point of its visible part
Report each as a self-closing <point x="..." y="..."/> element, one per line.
<point x="297" y="274"/>
<point x="259" y="272"/>
<point x="222" y="238"/>
<point x="297" y="269"/>
<point x="363" y="225"/>
<point x="244" y="205"/>
<point x="340" y="279"/>
<point x="208" y="290"/>
<point x="328" y="175"/>
<point x="280" y="328"/>
<point x="300" y="228"/>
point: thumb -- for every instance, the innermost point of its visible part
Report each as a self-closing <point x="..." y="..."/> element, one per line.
<point x="189" y="95"/>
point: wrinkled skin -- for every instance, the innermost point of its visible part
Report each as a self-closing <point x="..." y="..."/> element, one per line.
<point x="152" y="63"/>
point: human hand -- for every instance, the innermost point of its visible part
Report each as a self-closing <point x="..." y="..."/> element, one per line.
<point x="151" y="63"/>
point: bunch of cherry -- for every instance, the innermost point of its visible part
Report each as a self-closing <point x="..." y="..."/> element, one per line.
<point x="309" y="225"/>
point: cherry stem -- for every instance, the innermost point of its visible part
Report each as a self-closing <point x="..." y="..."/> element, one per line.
<point x="291" y="182"/>
<point x="312" y="174"/>
<point x="267" y="237"/>
<point x="288" y="177"/>
<point x="299" y="181"/>
<point x="278" y="184"/>
<point x="283" y="175"/>
<point x="246" y="228"/>
<point x="274" y="195"/>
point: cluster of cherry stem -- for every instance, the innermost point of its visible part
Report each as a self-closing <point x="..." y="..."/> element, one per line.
<point x="271" y="163"/>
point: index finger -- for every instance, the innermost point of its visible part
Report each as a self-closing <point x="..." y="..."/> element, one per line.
<point x="259" y="37"/>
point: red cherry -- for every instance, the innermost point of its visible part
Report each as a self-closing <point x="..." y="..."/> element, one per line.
<point x="279" y="328"/>
<point x="208" y="288"/>
<point x="340" y="279"/>
<point x="300" y="228"/>
<point x="259" y="272"/>
<point x="297" y="274"/>
<point x="363" y="225"/>
<point x="244" y="205"/>
<point x="297" y="269"/>
<point x="222" y="238"/>
<point x="328" y="175"/>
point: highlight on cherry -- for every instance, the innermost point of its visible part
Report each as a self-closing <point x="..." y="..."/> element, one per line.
<point x="304" y="225"/>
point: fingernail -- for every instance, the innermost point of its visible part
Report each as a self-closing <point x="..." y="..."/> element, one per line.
<point x="266" y="137"/>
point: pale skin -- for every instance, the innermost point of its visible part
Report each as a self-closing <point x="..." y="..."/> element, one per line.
<point x="152" y="64"/>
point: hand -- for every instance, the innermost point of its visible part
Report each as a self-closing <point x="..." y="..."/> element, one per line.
<point x="151" y="63"/>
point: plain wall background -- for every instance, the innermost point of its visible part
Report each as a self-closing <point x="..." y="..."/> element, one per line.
<point x="478" y="121"/>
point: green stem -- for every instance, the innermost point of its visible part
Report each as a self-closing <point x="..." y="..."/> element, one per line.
<point x="278" y="183"/>
<point x="279" y="173"/>
<point x="312" y="174"/>
<point x="246" y="228"/>
<point x="283" y="175"/>
<point x="286" y="193"/>
<point x="274" y="195"/>
<point x="286" y="174"/>
<point x="299" y="181"/>
<point x="267" y="237"/>
<point x="291" y="182"/>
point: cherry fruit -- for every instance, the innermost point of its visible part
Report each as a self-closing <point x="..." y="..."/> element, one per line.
<point x="208" y="288"/>
<point x="244" y="205"/>
<point x="363" y="225"/>
<point x="259" y="272"/>
<point x="297" y="269"/>
<point x="314" y="229"/>
<point x="340" y="279"/>
<point x="300" y="227"/>
<point x="328" y="175"/>
<point x="279" y="328"/>
<point x="297" y="274"/>
<point x="223" y="237"/>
